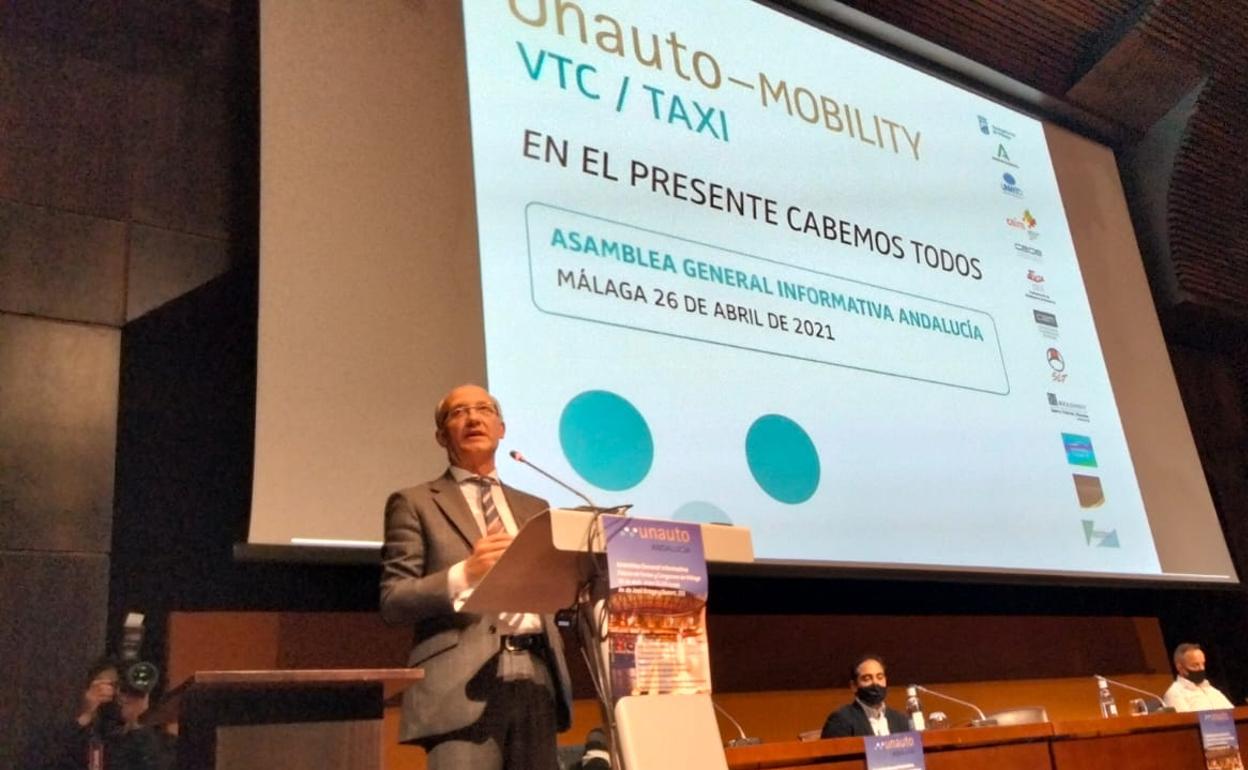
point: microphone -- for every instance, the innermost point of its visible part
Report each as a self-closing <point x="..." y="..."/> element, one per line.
<point x="515" y="455"/>
<point x="1162" y="707"/>
<point x="743" y="740"/>
<point x="596" y="756"/>
<point x="983" y="720"/>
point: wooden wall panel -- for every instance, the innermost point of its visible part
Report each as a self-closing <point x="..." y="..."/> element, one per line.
<point x="60" y="265"/>
<point x="165" y="264"/>
<point x="222" y="640"/>
<point x="53" y="608"/>
<point x="62" y="124"/>
<point x="790" y="652"/>
<point x="181" y="147"/>
<point x="58" y="431"/>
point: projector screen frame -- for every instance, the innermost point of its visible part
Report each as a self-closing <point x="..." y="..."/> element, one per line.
<point x="1054" y="111"/>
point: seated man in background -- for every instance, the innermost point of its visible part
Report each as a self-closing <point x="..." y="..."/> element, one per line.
<point x="1191" y="691"/>
<point x="867" y="714"/>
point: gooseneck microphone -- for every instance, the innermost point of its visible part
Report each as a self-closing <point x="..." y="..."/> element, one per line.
<point x="515" y="455"/>
<point x="744" y="740"/>
<point x="1126" y="686"/>
<point x="983" y="719"/>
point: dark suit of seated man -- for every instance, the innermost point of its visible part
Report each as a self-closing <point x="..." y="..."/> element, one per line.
<point x="868" y="714"/>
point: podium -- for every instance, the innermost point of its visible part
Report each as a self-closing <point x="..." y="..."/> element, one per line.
<point x="322" y="719"/>
<point x="557" y="562"/>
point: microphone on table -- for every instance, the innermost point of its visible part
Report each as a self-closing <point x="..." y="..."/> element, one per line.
<point x="1161" y="702"/>
<point x="743" y="740"/>
<point x="983" y="720"/>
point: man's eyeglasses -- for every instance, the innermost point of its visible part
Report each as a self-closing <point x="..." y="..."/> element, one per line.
<point x="460" y="412"/>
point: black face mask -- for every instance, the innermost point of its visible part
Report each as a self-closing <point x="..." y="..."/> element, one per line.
<point x="872" y="695"/>
<point x="1195" y="677"/>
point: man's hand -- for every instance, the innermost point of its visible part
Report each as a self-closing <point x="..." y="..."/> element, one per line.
<point x="98" y="693"/>
<point x="485" y="552"/>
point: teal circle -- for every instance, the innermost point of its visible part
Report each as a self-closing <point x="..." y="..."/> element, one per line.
<point x="782" y="459"/>
<point x="606" y="440"/>
<point x="701" y="512"/>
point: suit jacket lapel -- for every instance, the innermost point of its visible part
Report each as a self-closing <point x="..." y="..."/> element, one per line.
<point x="448" y="497"/>
<point x="864" y="722"/>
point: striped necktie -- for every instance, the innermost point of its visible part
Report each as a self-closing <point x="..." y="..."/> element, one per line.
<point x="489" y="511"/>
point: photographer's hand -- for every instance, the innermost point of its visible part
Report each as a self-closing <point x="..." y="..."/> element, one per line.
<point x="100" y="691"/>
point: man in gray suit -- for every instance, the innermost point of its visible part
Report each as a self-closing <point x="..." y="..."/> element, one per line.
<point x="496" y="688"/>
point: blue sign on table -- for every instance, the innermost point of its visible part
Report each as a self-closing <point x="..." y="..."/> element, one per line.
<point x="901" y="751"/>
<point x="1220" y="740"/>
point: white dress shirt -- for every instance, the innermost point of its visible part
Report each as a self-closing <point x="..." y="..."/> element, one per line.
<point x="875" y="716"/>
<point x="457" y="580"/>
<point x="1184" y="695"/>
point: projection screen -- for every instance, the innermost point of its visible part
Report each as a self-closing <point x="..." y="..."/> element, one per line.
<point x="716" y="263"/>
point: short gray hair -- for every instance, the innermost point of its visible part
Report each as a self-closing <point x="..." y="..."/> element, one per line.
<point x="1184" y="649"/>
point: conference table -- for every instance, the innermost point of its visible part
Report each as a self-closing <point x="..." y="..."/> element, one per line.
<point x="1154" y="742"/>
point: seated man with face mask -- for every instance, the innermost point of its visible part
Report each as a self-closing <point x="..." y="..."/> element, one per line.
<point x="868" y="714"/>
<point x="1191" y="691"/>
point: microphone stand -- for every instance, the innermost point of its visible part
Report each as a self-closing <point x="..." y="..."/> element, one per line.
<point x="1162" y="707"/>
<point x="983" y="720"/>
<point x="744" y="740"/>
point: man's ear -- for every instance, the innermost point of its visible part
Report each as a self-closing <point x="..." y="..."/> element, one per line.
<point x="502" y="429"/>
<point x="440" y="436"/>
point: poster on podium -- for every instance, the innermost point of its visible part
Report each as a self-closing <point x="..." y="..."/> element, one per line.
<point x="656" y="607"/>
<point x="1220" y="740"/>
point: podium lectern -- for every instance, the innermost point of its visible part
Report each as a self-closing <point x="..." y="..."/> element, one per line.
<point x="556" y="562"/>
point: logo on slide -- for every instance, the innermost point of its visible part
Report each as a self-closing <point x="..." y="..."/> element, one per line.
<point x="1068" y="408"/>
<point x="1003" y="156"/>
<point x="1079" y="450"/>
<point x="1028" y="252"/>
<point x="988" y="129"/>
<point x="1026" y="223"/>
<point x="1098" y="538"/>
<point x="1046" y="323"/>
<point x="1057" y="364"/>
<point x="1009" y="185"/>
<point x="1035" y="287"/>
<point x="1088" y="490"/>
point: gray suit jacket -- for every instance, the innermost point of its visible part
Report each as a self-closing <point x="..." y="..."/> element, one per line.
<point x="428" y="529"/>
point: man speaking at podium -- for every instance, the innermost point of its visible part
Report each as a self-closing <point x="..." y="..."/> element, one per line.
<point x="496" y="688"/>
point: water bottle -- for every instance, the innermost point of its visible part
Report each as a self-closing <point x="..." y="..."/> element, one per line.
<point x="915" y="709"/>
<point x="1106" y="698"/>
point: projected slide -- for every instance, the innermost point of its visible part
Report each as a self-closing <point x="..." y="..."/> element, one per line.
<point x="735" y="269"/>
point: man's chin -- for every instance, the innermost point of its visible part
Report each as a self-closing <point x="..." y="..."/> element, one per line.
<point x="476" y="451"/>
